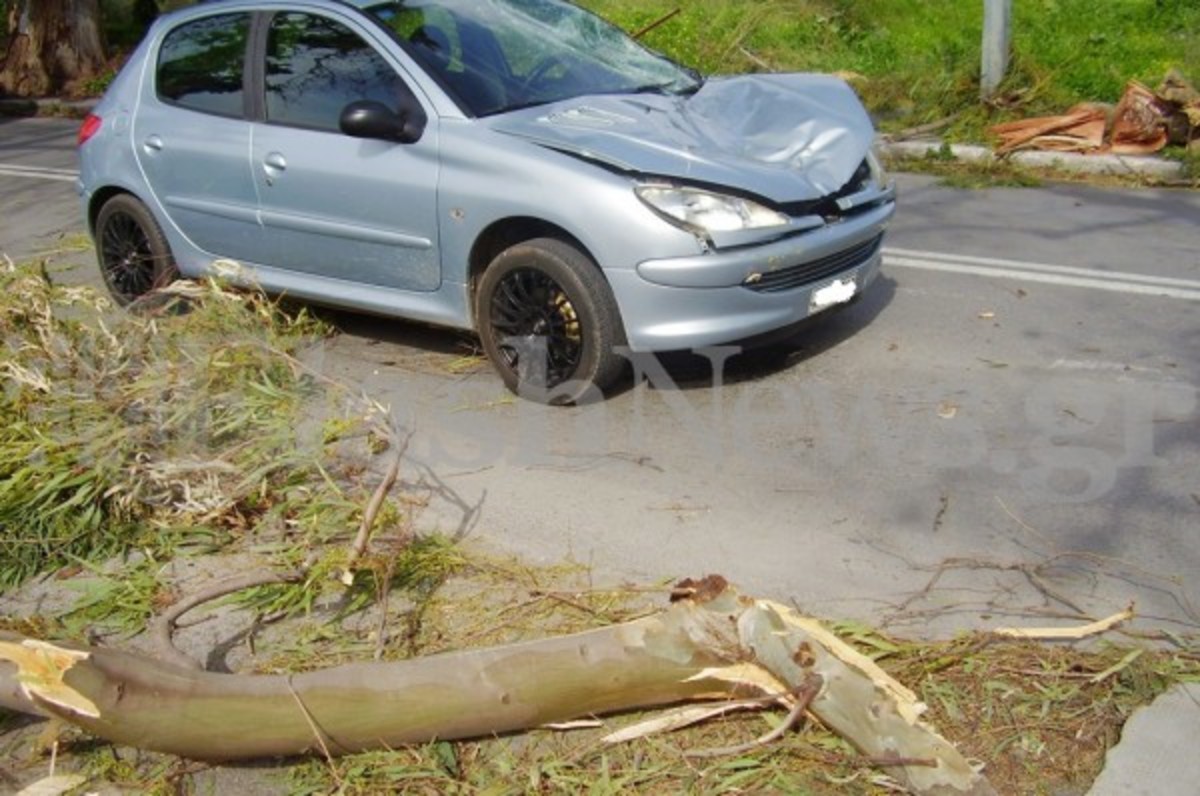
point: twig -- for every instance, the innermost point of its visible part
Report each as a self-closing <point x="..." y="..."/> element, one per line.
<point x="565" y="600"/>
<point x="1117" y="667"/>
<point x="1077" y="632"/>
<point x="385" y="590"/>
<point x="665" y="17"/>
<point x="316" y="731"/>
<point x="756" y="60"/>
<point x="804" y="695"/>
<point x="163" y="626"/>
<point x="888" y="762"/>
<point x="923" y="129"/>
<point x="1035" y="579"/>
<point x="372" y="510"/>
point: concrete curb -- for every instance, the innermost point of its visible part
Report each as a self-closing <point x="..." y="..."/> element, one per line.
<point x="1105" y="165"/>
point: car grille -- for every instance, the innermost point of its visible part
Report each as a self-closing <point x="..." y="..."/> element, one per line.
<point x="816" y="270"/>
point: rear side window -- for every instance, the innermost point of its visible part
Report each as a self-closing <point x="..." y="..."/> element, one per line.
<point x="316" y="67"/>
<point x="201" y="63"/>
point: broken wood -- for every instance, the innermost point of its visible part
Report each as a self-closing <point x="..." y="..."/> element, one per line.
<point x="1139" y="123"/>
<point x="713" y="644"/>
<point x="1067" y="633"/>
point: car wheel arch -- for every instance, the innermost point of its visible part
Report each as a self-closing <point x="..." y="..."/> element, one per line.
<point x="99" y="198"/>
<point x="508" y="232"/>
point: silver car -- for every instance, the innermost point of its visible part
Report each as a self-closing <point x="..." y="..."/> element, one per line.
<point x="521" y="168"/>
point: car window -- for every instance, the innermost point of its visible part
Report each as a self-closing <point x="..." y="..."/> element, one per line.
<point x="317" y="66"/>
<point x="502" y="54"/>
<point x="201" y="64"/>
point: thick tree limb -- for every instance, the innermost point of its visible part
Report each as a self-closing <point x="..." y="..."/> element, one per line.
<point x="713" y="645"/>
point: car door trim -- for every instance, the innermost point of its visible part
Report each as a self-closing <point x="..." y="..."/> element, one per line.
<point x="235" y="212"/>
<point x="338" y="229"/>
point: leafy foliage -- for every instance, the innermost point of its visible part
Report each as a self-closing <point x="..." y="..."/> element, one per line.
<point x="120" y="431"/>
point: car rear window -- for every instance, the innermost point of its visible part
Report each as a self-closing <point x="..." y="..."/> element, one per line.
<point x="201" y="64"/>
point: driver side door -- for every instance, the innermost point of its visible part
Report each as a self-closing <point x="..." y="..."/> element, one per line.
<point x="352" y="209"/>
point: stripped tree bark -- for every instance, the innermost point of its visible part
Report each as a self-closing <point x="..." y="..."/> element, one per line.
<point x="713" y="644"/>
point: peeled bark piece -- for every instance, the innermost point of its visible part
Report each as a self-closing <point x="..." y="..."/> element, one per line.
<point x="1080" y="129"/>
<point x="1139" y="122"/>
<point x="715" y="645"/>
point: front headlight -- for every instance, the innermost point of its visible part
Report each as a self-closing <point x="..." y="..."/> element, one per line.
<point x="706" y="211"/>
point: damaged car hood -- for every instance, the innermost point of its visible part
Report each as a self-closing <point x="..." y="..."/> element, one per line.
<point x="789" y="137"/>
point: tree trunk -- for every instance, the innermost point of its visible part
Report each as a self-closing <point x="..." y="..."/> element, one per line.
<point x="717" y="645"/>
<point x="54" y="47"/>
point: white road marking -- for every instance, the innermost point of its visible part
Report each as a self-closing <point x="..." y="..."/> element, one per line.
<point x="1069" y="276"/>
<point x="37" y="172"/>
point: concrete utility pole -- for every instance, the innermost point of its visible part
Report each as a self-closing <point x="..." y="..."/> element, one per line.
<point x="997" y="25"/>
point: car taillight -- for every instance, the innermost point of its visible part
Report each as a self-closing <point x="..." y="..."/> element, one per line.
<point x="90" y="126"/>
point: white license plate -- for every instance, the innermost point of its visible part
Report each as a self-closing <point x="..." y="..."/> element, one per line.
<point x="839" y="291"/>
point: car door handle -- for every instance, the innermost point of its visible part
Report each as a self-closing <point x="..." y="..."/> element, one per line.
<point x="274" y="164"/>
<point x="153" y="143"/>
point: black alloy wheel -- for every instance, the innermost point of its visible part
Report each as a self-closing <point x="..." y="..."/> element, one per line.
<point x="537" y="327"/>
<point x="549" y="323"/>
<point x="134" y="256"/>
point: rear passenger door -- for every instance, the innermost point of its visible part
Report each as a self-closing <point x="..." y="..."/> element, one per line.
<point x="192" y="138"/>
<point x="331" y="205"/>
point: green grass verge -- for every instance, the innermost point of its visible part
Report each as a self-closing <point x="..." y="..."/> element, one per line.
<point x="919" y="59"/>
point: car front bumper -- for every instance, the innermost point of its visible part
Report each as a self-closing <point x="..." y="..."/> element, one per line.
<point x="724" y="296"/>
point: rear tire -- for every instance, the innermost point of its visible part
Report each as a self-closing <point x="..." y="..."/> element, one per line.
<point x="549" y="323"/>
<point x="135" y="258"/>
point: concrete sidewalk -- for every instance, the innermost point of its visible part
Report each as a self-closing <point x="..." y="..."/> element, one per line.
<point x="1159" y="752"/>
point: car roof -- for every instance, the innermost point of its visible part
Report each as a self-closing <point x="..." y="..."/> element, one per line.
<point x="354" y="3"/>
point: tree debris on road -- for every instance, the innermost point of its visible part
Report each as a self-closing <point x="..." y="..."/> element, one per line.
<point x="713" y="644"/>
<point x="1142" y="123"/>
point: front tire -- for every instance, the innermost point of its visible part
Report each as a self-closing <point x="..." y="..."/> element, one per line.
<point x="135" y="258"/>
<point x="549" y="323"/>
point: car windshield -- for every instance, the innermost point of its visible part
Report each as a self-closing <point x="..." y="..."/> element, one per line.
<point x="499" y="55"/>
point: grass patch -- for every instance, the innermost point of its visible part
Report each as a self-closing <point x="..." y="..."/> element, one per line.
<point x="919" y="59"/>
<point x="194" y="426"/>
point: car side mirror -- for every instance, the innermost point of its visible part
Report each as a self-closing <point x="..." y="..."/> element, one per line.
<point x="374" y="120"/>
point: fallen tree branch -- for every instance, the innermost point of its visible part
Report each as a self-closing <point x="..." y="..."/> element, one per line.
<point x="716" y="644"/>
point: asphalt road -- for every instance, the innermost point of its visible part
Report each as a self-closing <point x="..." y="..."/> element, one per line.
<point x="1013" y="406"/>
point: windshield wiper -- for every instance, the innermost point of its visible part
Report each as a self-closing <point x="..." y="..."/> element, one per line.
<point x="665" y="88"/>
